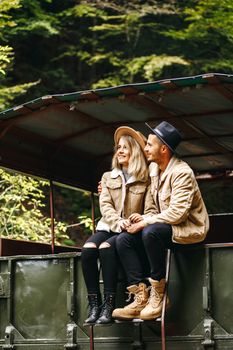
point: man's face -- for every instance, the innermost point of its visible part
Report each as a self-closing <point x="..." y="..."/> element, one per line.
<point x="153" y="149"/>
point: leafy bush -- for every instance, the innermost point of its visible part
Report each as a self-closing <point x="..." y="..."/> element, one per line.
<point x="21" y="217"/>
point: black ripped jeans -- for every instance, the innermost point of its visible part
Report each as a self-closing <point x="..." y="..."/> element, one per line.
<point x="108" y="259"/>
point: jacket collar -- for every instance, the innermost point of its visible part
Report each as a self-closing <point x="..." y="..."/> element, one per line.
<point x="118" y="172"/>
<point x="115" y="173"/>
<point x="154" y="168"/>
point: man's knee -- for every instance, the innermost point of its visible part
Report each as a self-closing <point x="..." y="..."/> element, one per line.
<point x="122" y="239"/>
<point x="149" y="231"/>
<point x="158" y="232"/>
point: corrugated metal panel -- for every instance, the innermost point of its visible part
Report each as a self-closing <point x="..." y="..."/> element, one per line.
<point x="43" y="304"/>
<point x="69" y="137"/>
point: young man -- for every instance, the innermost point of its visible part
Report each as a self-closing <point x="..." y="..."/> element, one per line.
<point x="181" y="218"/>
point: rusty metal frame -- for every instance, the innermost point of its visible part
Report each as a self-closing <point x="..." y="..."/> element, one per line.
<point x="163" y="334"/>
<point x="51" y="200"/>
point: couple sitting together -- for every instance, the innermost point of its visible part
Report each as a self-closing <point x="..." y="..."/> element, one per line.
<point x="145" y="211"/>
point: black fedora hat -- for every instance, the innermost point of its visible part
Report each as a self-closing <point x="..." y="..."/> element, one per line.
<point x="168" y="134"/>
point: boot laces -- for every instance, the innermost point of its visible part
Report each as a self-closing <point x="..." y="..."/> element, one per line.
<point x="129" y="296"/>
<point x="138" y="296"/>
<point x="155" y="297"/>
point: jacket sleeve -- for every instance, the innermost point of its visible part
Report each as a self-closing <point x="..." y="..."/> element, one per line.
<point x="181" y="197"/>
<point x="107" y="209"/>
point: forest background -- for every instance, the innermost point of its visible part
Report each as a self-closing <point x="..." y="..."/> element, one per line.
<point x="56" y="46"/>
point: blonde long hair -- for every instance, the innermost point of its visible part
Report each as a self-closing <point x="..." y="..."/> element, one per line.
<point x="138" y="166"/>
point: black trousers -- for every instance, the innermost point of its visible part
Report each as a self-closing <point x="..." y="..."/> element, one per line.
<point x="157" y="238"/>
<point x="136" y="251"/>
<point x="133" y="257"/>
<point x="108" y="259"/>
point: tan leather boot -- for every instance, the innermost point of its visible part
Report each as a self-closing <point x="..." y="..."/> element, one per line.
<point x="133" y="310"/>
<point x="154" y="306"/>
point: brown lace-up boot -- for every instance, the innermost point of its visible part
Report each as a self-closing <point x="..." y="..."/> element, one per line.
<point x="133" y="310"/>
<point x="154" y="306"/>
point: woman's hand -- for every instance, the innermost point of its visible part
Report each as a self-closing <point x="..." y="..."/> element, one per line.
<point x="125" y="224"/>
<point x="135" y="217"/>
<point x="99" y="188"/>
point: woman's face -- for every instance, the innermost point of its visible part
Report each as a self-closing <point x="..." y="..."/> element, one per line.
<point x="123" y="153"/>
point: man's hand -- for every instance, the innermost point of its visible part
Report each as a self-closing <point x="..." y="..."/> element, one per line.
<point x="135" y="217"/>
<point x="134" y="228"/>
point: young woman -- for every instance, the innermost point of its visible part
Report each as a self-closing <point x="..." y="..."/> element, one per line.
<point x="124" y="191"/>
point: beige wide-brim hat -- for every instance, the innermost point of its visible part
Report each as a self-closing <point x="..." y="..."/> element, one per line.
<point x="126" y="130"/>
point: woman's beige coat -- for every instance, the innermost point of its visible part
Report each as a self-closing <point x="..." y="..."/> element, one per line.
<point x="179" y="202"/>
<point x="119" y="199"/>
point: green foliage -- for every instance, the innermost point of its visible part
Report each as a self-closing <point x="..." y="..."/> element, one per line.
<point x="109" y="81"/>
<point x="209" y="18"/>
<point x="5" y="7"/>
<point x="50" y="46"/>
<point x="86" y="221"/>
<point x="6" y="54"/>
<point x="94" y="43"/>
<point x="208" y="34"/>
<point x="8" y="94"/>
<point x="72" y="45"/>
<point x="84" y="10"/>
<point x="152" y="66"/>
<point x="21" y="217"/>
<point x="35" y="18"/>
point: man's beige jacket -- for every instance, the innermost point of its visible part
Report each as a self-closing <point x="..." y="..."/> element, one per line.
<point x="178" y="202"/>
<point x="119" y="199"/>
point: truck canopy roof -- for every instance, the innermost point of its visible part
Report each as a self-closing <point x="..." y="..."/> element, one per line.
<point x="68" y="138"/>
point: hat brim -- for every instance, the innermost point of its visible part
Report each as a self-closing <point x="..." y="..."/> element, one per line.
<point x="126" y="130"/>
<point x="160" y="137"/>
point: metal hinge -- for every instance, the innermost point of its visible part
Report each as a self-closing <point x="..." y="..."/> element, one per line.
<point x="208" y="342"/>
<point x="71" y="336"/>
<point x="9" y="338"/>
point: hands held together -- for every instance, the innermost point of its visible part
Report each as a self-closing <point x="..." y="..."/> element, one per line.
<point x="133" y="224"/>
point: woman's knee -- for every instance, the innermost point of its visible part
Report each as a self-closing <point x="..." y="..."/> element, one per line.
<point x="89" y="245"/>
<point x="104" y="245"/>
<point x="89" y="251"/>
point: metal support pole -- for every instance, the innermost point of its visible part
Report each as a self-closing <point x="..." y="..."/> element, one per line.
<point x="208" y="342"/>
<point x="137" y="343"/>
<point x="51" y="196"/>
<point x="91" y="329"/>
<point x="207" y="307"/>
<point x="163" y="335"/>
